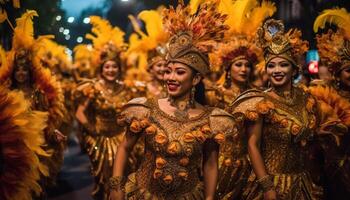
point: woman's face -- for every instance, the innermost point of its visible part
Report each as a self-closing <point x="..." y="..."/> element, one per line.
<point x="21" y="74"/>
<point x="157" y="69"/>
<point x="240" y="71"/>
<point x="179" y="79"/>
<point x="280" y="72"/>
<point x="110" y="70"/>
<point x="345" y="77"/>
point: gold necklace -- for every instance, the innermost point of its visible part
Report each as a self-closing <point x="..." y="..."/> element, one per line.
<point x="182" y="108"/>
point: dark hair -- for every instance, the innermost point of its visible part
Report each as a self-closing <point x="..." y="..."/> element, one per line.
<point x="228" y="78"/>
<point x="14" y="83"/>
<point x="199" y="95"/>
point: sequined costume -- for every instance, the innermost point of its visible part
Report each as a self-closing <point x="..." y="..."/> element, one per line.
<point x="289" y="127"/>
<point x="103" y="139"/>
<point x="244" y="19"/>
<point x="171" y="166"/>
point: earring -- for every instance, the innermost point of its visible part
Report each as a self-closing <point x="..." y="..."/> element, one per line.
<point x="228" y="79"/>
<point x="192" y="100"/>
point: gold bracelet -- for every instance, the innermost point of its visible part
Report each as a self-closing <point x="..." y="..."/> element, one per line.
<point x="117" y="183"/>
<point x="266" y="183"/>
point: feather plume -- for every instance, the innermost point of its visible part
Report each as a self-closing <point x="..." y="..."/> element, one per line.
<point x="3" y="15"/>
<point x="194" y="4"/>
<point x="16" y="3"/>
<point x="154" y="25"/>
<point x="338" y="16"/>
<point x="24" y="31"/>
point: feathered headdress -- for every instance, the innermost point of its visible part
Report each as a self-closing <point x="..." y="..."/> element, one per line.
<point x="195" y="35"/>
<point x="108" y="42"/>
<point x="244" y="19"/>
<point x="334" y="47"/>
<point x="149" y="47"/>
<point x="278" y="43"/>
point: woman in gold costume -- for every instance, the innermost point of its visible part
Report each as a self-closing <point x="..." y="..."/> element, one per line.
<point x="283" y="121"/>
<point x="181" y="135"/>
<point x="25" y="73"/>
<point x="101" y="101"/>
<point x="150" y="50"/>
<point x="238" y="57"/>
<point x="334" y="51"/>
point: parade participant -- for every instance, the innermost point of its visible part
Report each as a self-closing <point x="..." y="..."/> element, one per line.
<point x="238" y="58"/>
<point x="26" y="73"/>
<point x="283" y="121"/>
<point x="100" y="102"/>
<point x="334" y="51"/>
<point x="150" y="46"/>
<point x="181" y="135"/>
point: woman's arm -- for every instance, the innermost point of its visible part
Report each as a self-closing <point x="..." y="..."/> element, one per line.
<point x="210" y="167"/>
<point x="120" y="162"/>
<point x="254" y="130"/>
<point x="80" y="113"/>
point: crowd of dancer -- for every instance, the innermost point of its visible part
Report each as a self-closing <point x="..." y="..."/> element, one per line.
<point x="207" y="102"/>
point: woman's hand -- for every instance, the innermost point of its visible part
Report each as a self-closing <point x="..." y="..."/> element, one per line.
<point x="116" y="195"/>
<point x="270" y="195"/>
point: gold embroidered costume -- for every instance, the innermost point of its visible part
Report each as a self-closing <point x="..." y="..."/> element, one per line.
<point x="244" y="19"/>
<point x="171" y="166"/>
<point x="289" y="128"/>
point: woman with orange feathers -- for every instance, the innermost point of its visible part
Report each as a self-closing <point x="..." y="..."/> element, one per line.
<point x="282" y="122"/>
<point x="238" y="58"/>
<point x="25" y="73"/>
<point x="100" y="101"/>
<point x="180" y="133"/>
<point x="334" y="51"/>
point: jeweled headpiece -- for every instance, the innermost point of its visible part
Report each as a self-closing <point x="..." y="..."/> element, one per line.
<point x="334" y="46"/>
<point x="276" y="43"/>
<point x="194" y="33"/>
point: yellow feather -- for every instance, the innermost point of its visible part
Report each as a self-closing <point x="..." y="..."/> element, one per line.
<point x="136" y="26"/>
<point x="258" y="15"/>
<point x="236" y="12"/>
<point x="194" y="4"/>
<point x="153" y="23"/>
<point x="337" y="16"/>
<point x="24" y="24"/>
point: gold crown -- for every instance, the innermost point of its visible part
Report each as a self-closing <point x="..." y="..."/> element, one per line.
<point x="276" y="43"/>
<point x="182" y="50"/>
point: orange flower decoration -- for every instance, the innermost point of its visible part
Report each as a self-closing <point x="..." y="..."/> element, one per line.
<point x="296" y="129"/>
<point x="228" y="162"/>
<point x="206" y="129"/>
<point x="151" y="130"/>
<point x="284" y="123"/>
<point x="157" y="173"/>
<point x="199" y="136"/>
<point x="264" y="107"/>
<point x="184" y="161"/>
<point x="174" y="148"/>
<point x="161" y="138"/>
<point x="168" y="179"/>
<point x="135" y="126"/>
<point x="219" y="138"/>
<point x="274" y="118"/>
<point x="252" y="116"/>
<point x="183" y="175"/>
<point x="188" y="137"/>
<point x="144" y="123"/>
<point x="160" y="162"/>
